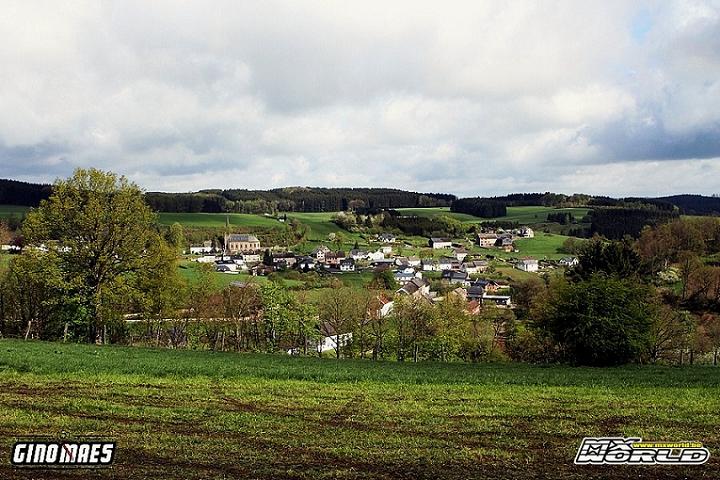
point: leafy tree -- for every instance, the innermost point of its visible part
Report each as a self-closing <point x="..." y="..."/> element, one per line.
<point x="36" y="301"/>
<point x="383" y="280"/>
<point x="615" y="258"/>
<point x="337" y="312"/>
<point x="267" y="258"/>
<point x="5" y="235"/>
<point x="103" y="233"/>
<point x="600" y="321"/>
<point x="176" y="237"/>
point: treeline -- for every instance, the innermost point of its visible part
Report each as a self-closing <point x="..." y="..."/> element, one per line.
<point x="695" y="204"/>
<point x="479" y="207"/>
<point x="616" y="222"/>
<point x="13" y="192"/>
<point x="294" y="200"/>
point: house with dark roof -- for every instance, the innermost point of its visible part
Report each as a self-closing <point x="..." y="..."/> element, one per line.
<point x="455" y="277"/>
<point x="416" y="288"/>
<point x="241" y="243"/>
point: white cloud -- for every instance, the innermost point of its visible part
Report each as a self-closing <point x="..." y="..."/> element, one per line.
<point x="464" y="97"/>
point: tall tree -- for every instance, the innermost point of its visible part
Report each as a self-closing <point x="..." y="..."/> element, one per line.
<point x="102" y="231"/>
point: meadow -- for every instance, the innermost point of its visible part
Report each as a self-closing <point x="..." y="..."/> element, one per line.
<point x="8" y="210"/>
<point x="523" y="215"/>
<point x="205" y="415"/>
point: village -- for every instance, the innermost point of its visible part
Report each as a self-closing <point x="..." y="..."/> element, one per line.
<point x="455" y="266"/>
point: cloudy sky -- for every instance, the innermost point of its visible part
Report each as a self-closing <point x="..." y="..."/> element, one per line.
<point x="472" y="98"/>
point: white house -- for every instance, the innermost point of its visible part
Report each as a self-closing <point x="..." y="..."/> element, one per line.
<point x="527" y="265"/>
<point x="206" y="259"/>
<point x="475" y="266"/>
<point x="569" y="261"/>
<point x="404" y="277"/>
<point x="251" y="257"/>
<point x="386" y="238"/>
<point x="226" y="267"/>
<point x="437" y="242"/>
<point x="527" y="232"/>
<point x="375" y="256"/>
<point x="386" y="306"/>
<point x="201" y="249"/>
<point x="499" y="300"/>
<point x="386" y="249"/>
<point x="460" y="253"/>
<point x="319" y="252"/>
<point x="486" y="240"/>
<point x="430" y="265"/>
<point x="306" y="263"/>
<point x="358" y="254"/>
<point x="445" y="263"/>
<point x="347" y="265"/>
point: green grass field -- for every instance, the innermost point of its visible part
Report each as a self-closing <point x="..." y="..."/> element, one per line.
<point x="533" y="215"/>
<point x="204" y="415"/>
<point x="543" y="245"/>
<point x="523" y="215"/>
<point x="17" y="210"/>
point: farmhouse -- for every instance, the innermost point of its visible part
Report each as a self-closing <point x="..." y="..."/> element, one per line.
<point x="206" y="247"/>
<point x="486" y="240"/>
<point x="357" y="254"/>
<point x="475" y="266"/>
<point x="384" y="306"/>
<point x="437" y="242"/>
<point x="206" y="259"/>
<point x="526" y="232"/>
<point x="347" y="265"/>
<point x="404" y="277"/>
<point x="445" y="263"/>
<point x="284" y="260"/>
<point x="375" y="256"/>
<point x="306" y="263"/>
<point x="236" y="242"/>
<point x="499" y="300"/>
<point x="416" y="288"/>
<point x="334" y="258"/>
<point x="430" y="265"/>
<point x="386" y="238"/>
<point x="320" y="252"/>
<point x="475" y="292"/>
<point x="569" y="261"/>
<point x="527" y="265"/>
<point x="460" y="253"/>
<point x="226" y="267"/>
<point x="455" y="277"/>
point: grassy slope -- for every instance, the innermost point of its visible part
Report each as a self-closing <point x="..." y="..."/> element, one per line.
<point x="212" y="415"/>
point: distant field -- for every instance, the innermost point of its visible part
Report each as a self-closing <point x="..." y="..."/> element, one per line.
<point x="218" y="219"/>
<point x="437" y="211"/>
<point x="532" y="215"/>
<point x="7" y="210"/>
<point x="523" y="215"/>
<point x="209" y="415"/>
<point x="543" y="245"/>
